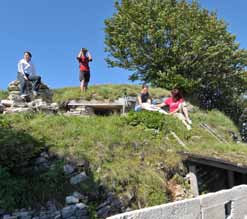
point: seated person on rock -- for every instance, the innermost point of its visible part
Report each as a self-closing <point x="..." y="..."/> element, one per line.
<point x="27" y="72"/>
<point x="144" y="101"/>
<point x="177" y="107"/>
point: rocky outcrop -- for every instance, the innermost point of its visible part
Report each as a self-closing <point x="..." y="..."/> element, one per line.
<point x="14" y="91"/>
<point x="15" y="103"/>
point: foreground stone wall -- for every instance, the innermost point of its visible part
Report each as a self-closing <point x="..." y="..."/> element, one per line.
<point x="225" y="204"/>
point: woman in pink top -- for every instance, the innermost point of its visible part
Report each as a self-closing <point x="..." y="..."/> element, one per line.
<point x="177" y="107"/>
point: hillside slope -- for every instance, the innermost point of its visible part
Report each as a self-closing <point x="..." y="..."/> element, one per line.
<point x="135" y="156"/>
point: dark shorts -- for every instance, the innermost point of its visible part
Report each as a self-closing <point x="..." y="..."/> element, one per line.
<point x="84" y="76"/>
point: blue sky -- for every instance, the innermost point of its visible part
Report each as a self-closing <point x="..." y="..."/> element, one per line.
<point x="55" y="30"/>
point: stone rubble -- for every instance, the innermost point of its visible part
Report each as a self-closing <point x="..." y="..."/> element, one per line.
<point x="70" y="211"/>
<point x="112" y="205"/>
<point x="75" y="203"/>
<point x="40" y="103"/>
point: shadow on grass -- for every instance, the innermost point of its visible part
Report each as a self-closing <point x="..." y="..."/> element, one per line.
<point x="23" y="184"/>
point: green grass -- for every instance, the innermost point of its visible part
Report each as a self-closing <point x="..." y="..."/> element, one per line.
<point x="104" y="92"/>
<point x="3" y="94"/>
<point x="124" y="152"/>
<point x="124" y="156"/>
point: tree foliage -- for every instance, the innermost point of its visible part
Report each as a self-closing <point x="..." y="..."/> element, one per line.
<point x="175" y="43"/>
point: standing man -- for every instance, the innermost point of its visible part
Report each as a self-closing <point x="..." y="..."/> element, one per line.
<point x="27" y="72"/>
<point x="84" y="57"/>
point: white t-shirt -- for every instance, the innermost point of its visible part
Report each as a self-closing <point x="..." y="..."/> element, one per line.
<point x="25" y="67"/>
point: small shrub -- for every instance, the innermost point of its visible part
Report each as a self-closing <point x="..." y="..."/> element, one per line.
<point x="152" y="120"/>
<point x="17" y="147"/>
<point x="11" y="191"/>
<point x="3" y="94"/>
<point x="48" y="185"/>
<point x="24" y="191"/>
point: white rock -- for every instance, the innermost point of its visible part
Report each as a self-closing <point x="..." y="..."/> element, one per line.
<point x="7" y="103"/>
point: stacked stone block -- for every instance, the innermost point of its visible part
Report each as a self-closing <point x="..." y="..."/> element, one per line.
<point x="15" y="103"/>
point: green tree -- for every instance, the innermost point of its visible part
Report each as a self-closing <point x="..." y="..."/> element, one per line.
<point x="175" y="43"/>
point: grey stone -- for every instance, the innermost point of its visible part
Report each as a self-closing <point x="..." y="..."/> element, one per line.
<point x="9" y="217"/>
<point x="58" y="217"/>
<point x="41" y="160"/>
<point x="81" y="197"/>
<point x="71" y="200"/>
<point x="7" y="103"/>
<point x="46" y="216"/>
<point x="81" y="210"/>
<point x="54" y="105"/>
<point x="104" y="212"/>
<point x="13" y="87"/>
<point x="19" y="103"/>
<point x="45" y="155"/>
<point x="68" y="169"/>
<point x="17" y="110"/>
<point x="78" y="195"/>
<point x="102" y="205"/>
<point x="51" y="206"/>
<point x="78" y="178"/>
<point x="23" y="215"/>
<point x="68" y="211"/>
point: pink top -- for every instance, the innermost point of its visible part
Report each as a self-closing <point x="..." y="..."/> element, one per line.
<point x="172" y="104"/>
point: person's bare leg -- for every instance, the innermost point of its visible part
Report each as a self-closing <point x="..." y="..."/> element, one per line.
<point x="181" y="117"/>
<point x="82" y="86"/>
<point x="186" y="113"/>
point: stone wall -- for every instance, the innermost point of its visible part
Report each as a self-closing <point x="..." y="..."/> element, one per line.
<point x="225" y="204"/>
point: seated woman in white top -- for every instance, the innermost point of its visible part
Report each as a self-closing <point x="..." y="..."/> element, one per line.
<point x="27" y="72"/>
<point x="144" y="101"/>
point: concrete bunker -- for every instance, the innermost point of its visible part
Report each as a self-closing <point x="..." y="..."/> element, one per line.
<point x="94" y="107"/>
<point x="208" y="174"/>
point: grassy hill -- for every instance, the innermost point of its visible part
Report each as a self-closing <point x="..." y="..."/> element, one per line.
<point x="101" y="92"/>
<point x="134" y="154"/>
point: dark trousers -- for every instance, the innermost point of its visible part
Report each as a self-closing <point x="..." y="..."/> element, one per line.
<point x="35" y="79"/>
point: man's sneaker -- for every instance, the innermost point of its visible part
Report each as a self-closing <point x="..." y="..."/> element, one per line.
<point x="23" y="96"/>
